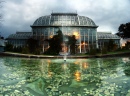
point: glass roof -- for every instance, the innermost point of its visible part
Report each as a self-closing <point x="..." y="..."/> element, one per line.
<point x="104" y="35"/>
<point x="64" y="19"/>
<point x="20" y="35"/>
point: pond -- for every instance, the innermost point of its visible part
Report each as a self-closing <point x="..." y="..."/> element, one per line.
<point x="55" y="77"/>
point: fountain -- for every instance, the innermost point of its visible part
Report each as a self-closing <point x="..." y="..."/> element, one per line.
<point x="64" y="52"/>
<point x="64" y="57"/>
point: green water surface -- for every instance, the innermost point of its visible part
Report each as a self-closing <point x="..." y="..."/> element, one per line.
<point x="55" y="77"/>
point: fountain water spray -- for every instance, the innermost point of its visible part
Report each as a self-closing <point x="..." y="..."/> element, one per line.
<point x="64" y="50"/>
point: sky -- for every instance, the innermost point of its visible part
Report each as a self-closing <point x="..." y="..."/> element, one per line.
<point x="18" y="15"/>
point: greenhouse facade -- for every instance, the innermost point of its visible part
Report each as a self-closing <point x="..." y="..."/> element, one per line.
<point x="84" y="29"/>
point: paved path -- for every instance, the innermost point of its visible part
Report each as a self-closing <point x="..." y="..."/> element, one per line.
<point x="69" y="56"/>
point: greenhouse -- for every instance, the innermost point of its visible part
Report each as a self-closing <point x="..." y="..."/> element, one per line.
<point x="104" y="37"/>
<point x="84" y="29"/>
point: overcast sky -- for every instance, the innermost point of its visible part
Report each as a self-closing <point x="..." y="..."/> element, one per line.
<point x="18" y="15"/>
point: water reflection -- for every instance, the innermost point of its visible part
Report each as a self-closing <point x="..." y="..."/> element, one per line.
<point x="44" y="77"/>
<point x="77" y="75"/>
<point x="126" y="66"/>
<point x="85" y="65"/>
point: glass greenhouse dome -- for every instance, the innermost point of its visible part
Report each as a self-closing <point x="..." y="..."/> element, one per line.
<point x="66" y="19"/>
<point x="82" y="27"/>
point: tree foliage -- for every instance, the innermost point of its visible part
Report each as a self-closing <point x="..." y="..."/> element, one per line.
<point x="55" y="43"/>
<point x="124" y="30"/>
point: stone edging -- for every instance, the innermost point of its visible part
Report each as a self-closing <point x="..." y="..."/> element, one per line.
<point x="124" y="54"/>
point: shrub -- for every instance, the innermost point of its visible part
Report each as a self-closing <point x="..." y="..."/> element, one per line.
<point x="92" y="52"/>
<point x="25" y="50"/>
<point x="104" y="50"/>
<point x="37" y="51"/>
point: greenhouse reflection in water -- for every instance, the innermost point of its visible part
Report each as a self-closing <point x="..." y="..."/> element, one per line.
<point x="75" y="77"/>
<point x="78" y="75"/>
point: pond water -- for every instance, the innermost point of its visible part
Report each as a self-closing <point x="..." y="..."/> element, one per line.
<point x="55" y="77"/>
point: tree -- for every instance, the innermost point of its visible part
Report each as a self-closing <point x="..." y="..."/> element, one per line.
<point x="55" y="43"/>
<point x="124" y="30"/>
